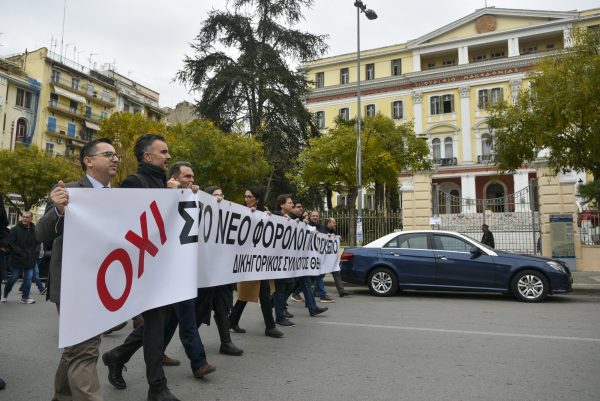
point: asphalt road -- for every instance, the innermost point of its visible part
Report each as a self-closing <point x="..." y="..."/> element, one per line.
<point x="414" y="346"/>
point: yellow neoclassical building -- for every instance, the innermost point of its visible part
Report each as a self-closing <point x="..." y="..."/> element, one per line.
<point x="442" y="82"/>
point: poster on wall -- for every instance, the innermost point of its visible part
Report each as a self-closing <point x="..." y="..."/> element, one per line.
<point x="562" y="238"/>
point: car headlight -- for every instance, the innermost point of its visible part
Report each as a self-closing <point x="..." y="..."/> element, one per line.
<point x="557" y="266"/>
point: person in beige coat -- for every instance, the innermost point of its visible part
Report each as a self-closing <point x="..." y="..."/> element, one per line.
<point x="255" y="291"/>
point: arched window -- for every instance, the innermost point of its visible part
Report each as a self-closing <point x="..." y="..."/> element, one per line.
<point x="21" y="130"/>
<point x="448" y="148"/>
<point x="436" y="148"/>
<point x="495" y="197"/>
<point x="454" y="201"/>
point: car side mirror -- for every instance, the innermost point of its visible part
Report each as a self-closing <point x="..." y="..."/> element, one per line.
<point x="475" y="251"/>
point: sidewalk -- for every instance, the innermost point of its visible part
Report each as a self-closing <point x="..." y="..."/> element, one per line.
<point x="586" y="281"/>
<point x="582" y="281"/>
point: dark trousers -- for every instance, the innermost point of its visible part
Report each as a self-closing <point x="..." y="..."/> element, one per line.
<point x="264" y="297"/>
<point x="150" y="335"/>
<point x="185" y="315"/>
<point x="283" y="288"/>
<point x="306" y="288"/>
<point x="217" y="299"/>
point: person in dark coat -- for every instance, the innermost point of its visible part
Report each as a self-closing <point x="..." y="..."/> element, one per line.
<point x="25" y="251"/>
<point x="488" y="237"/>
<point x="152" y="154"/>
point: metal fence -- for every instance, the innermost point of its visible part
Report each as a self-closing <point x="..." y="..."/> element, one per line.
<point x="376" y="223"/>
<point x="514" y="218"/>
<point x="588" y="222"/>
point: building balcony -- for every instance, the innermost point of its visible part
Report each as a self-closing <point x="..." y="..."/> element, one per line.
<point x="486" y="158"/>
<point x="75" y="112"/>
<point x="445" y="161"/>
<point x="76" y="138"/>
<point x="85" y="90"/>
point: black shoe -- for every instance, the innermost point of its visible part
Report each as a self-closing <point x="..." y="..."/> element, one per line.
<point x="2" y="384"/>
<point x="230" y="349"/>
<point x="318" y="311"/>
<point x="237" y="329"/>
<point x="273" y="333"/>
<point x="161" y="395"/>
<point x="345" y="293"/>
<point x="287" y="314"/>
<point x="115" y="371"/>
<point x="285" y="322"/>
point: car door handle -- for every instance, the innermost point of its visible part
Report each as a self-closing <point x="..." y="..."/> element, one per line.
<point x="443" y="258"/>
<point x="394" y="253"/>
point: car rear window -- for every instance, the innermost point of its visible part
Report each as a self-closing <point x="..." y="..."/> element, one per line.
<point x="409" y="241"/>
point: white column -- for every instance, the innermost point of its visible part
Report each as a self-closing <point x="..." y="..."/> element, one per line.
<point x="463" y="55"/>
<point x="520" y="182"/>
<point x="465" y="118"/>
<point x="418" y="112"/>
<point x="467" y="189"/>
<point x="515" y="89"/>
<point x="416" y="62"/>
<point x="513" y="47"/>
<point x="568" y="37"/>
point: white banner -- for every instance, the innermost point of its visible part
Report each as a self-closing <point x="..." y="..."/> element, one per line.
<point x="129" y="250"/>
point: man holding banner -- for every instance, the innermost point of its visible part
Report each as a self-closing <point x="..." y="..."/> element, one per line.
<point x="152" y="154"/>
<point x="76" y="377"/>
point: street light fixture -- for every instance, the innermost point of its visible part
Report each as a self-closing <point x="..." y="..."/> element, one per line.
<point x="370" y="14"/>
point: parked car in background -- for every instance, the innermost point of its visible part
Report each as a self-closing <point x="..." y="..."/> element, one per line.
<point x="449" y="261"/>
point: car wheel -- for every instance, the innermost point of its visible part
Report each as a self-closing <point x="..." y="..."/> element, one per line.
<point x="383" y="282"/>
<point x="530" y="286"/>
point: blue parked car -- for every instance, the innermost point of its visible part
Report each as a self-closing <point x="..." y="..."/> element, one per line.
<point x="449" y="261"/>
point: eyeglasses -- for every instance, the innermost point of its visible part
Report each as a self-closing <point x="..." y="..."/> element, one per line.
<point x="108" y="155"/>
<point x="248" y="196"/>
<point x="219" y="195"/>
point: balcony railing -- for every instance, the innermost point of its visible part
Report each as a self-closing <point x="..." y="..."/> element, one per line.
<point x="62" y="132"/>
<point x="83" y="89"/>
<point x="78" y="67"/>
<point x="486" y="158"/>
<point x="78" y="111"/>
<point x="445" y="161"/>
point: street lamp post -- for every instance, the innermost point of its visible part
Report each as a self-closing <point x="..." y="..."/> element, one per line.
<point x="370" y="14"/>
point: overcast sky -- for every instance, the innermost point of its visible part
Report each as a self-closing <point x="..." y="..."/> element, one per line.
<point x="147" y="39"/>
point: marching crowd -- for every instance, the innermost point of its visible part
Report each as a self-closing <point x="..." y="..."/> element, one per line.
<point x="76" y="378"/>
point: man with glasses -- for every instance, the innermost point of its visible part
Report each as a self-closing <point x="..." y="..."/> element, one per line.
<point x="76" y="377"/>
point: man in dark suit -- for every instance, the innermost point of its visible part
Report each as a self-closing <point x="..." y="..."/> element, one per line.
<point x="76" y="377"/>
<point x="152" y="154"/>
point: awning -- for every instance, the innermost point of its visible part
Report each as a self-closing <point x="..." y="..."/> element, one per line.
<point x="93" y="126"/>
<point x="70" y="95"/>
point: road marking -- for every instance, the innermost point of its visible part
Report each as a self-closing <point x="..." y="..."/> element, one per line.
<point x="480" y="333"/>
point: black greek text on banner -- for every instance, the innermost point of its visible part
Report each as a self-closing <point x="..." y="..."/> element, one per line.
<point x="129" y="250"/>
